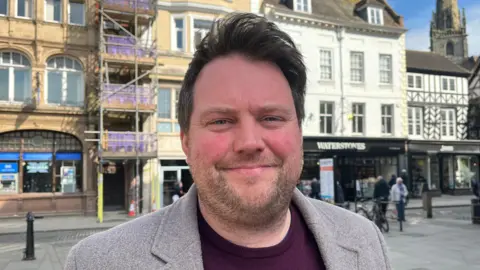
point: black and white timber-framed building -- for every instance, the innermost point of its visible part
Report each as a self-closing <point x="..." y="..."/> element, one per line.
<point x="439" y="154"/>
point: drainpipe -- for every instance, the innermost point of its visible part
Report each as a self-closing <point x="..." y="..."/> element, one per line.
<point x="340" y="36"/>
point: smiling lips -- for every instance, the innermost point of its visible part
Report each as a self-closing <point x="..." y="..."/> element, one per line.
<point x="250" y="169"/>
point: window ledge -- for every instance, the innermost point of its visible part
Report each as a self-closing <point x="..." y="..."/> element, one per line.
<point x="322" y="81"/>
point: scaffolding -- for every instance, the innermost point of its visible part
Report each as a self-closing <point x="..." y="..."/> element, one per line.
<point x="127" y="58"/>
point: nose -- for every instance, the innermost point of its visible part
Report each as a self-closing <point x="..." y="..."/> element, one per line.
<point x="248" y="137"/>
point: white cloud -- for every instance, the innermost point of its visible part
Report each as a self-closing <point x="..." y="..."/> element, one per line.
<point x="418" y="38"/>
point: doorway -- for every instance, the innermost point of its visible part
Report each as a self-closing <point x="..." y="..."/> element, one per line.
<point x="114" y="187"/>
<point x="169" y="176"/>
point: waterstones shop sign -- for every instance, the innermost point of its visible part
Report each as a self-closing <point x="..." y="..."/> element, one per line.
<point x="341" y="146"/>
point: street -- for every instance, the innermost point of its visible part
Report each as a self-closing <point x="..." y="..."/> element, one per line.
<point x="448" y="241"/>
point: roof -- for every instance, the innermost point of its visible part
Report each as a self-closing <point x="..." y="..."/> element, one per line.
<point x="469" y="63"/>
<point x="344" y="10"/>
<point x="421" y="61"/>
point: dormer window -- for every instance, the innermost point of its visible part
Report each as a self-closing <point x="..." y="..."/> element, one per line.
<point x="302" y="5"/>
<point x="375" y="15"/>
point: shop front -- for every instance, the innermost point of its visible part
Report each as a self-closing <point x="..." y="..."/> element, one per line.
<point x="174" y="177"/>
<point x="361" y="159"/>
<point x="40" y="171"/>
<point x="444" y="167"/>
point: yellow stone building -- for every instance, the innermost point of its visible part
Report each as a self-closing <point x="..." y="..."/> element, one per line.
<point x="47" y="58"/>
<point x="181" y="25"/>
<point x="76" y="76"/>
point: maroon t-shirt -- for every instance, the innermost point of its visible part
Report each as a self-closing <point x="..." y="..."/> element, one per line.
<point x="297" y="251"/>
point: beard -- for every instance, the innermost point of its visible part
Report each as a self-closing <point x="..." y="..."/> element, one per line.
<point x="265" y="201"/>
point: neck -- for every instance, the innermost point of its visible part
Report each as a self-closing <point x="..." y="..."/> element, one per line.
<point x="268" y="236"/>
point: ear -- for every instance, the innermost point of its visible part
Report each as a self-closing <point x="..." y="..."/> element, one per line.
<point x="184" y="141"/>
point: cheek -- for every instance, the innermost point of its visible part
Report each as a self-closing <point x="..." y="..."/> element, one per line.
<point x="210" y="148"/>
<point x="286" y="143"/>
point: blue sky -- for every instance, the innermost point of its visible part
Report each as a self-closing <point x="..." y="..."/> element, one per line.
<point x="418" y="13"/>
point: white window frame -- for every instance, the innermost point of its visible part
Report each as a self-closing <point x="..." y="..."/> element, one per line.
<point x="388" y="71"/>
<point x="11" y="77"/>
<point x="8" y="8"/>
<point x="362" y="68"/>
<point x="384" y="118"/>
<point x="355" y="120"/>
<point x="330" y="51"/>
<point x="449" y="84"/>
<point x="193" y="31"/>
<point x="375" y="15"/>
<point x="174" y="33"/>
<point x="449" y="122"/>
<point x="415" y="122"/>
<point x="24" y="17"/>
<point x="45" y="12"/>
<point x="173" y="120"/>
<point x="307" y="9"/>
<point x="64" y="72"/>
<point x="325" y="116"/>
<point x="83" y="14"/>
<point x="415" y="82"/>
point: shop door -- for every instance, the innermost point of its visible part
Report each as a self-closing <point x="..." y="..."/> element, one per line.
<point x="169" y="177"/>
<point x="114" y="189"/>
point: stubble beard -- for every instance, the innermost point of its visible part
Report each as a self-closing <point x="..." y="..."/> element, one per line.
<point x="268" y="209"/>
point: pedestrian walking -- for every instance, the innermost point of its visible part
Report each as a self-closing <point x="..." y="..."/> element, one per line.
<point x="399" y="194"/>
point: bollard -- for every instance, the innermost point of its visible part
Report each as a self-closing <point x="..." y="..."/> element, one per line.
<point x="427" y="204"/>
<point x="475" y="211"/>
<point x="29" y="253"/>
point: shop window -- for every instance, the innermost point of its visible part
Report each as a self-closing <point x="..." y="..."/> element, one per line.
<point x="51" y="161"/>
<point x="419" y="174"/>
<point x="466" y="169"/>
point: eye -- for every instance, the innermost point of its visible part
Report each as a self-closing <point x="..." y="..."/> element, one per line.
<point x="272" y="118"/>
<point x="219" y="122"/>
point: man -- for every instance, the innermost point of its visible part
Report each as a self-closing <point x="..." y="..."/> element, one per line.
<point x="381" y="192"/>
<point x="315" y="189"/>
<point x="399" y="195"/>
<point x="240" y="111"/>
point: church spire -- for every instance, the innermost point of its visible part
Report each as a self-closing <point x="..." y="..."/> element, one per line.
<point x="448" y="15"/>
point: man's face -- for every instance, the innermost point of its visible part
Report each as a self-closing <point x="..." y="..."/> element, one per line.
<point x="244" y="144"/>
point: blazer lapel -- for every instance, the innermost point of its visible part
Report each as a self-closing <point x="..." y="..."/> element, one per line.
<point x="177" y="241"/>
<point x="338" y="250"/>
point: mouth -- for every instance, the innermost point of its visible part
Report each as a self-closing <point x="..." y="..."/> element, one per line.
<point x="250" y="169"/>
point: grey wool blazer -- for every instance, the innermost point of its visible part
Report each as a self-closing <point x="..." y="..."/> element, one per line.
<point x="169" y="239"/>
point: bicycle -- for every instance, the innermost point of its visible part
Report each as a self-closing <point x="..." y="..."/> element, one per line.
<point x="375" y="214"/>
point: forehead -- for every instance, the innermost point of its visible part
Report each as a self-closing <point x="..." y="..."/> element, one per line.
<point x="236" y="80"/>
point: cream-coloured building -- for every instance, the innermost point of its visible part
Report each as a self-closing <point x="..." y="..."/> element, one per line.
<point x="181" y="25"/>
<point x="47" y="61"/>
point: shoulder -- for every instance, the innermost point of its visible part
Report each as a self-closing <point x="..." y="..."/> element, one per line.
<point x="349" y="227"/>
<point x="338" y="215"/>
<point x="106" y="249"/>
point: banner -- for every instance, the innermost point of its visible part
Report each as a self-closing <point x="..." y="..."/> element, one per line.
<point x="327" y="181"/>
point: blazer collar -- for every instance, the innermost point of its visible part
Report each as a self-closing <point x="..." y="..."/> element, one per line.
<point x="177" y="240"/>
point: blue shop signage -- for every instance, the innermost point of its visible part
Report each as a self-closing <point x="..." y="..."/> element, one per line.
<point x="8" y="167"/>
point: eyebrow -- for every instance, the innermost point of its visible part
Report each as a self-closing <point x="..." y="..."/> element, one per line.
<point x="269" y="108"/>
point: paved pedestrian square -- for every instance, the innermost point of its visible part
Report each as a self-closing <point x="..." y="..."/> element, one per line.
<point x="447" y="242"/>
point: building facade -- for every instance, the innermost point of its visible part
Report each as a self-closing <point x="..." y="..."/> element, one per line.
<point x="439" y="155"/>
<point x="46" y="76"/>
<point x="181" y="25"/>
<point x="355" y="102"/>
<point x="474" y="104"/>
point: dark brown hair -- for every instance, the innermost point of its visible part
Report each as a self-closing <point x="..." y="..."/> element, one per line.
<point x="256" y="38"/>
